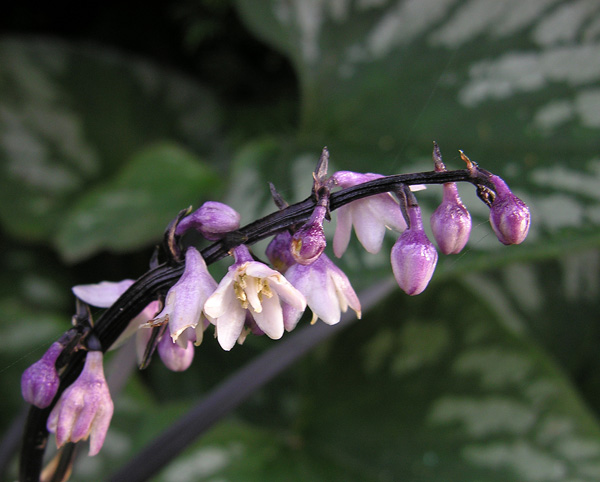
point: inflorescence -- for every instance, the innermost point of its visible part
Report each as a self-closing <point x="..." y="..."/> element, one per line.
<point x="170" y="307"/>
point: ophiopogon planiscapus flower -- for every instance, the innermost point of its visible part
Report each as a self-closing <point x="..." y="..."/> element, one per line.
<point x="252" y="297"/>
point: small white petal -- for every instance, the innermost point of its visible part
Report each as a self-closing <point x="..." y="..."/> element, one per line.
<point x="230" y="326"/>
<point x="287" y="292"/>
<point x="259" y="270"/>
<point x="270" y="319"/>
<point x="368" y="226"/>
<point x="220" y="300"/>
<point x="103" y="294"/>
<point x="343" y="230"/>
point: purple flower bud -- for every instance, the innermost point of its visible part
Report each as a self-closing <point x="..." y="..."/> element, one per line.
<point x="39" y="383"/>
<point x="309" y="241"/>
<point x="509" y="216"/>
<point x="451" y="222"/>
<point x="175" y="357"/>
<point x="278" y="252"/>
<point x="212" y="220"/>
<point x="413" y="256"/>
<point x="84" y="408"/>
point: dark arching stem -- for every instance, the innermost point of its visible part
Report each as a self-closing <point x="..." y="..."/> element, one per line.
<point x="115" y="319"/>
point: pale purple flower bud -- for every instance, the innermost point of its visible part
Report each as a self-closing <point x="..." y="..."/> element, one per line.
<point x="327" y="290"/>
<point x="509" y="216"/>
<point x="212" y="220"/>
<point x="175" y="357"/>
<point x="84" y="408"/>
<point x="39" y="383"/>
<point x="369" y="216"/>
<point x="451" y="222"/>
<point x="309" y="241"/>
<point x="278" y="252"/>
<point x="413" y="256"/>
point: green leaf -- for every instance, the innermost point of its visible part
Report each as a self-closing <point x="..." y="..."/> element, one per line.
<point x="423" y="398"/>
<point x="516" y="86"/>
<point x="134" y="208"/>
<point x="72" y="114"/>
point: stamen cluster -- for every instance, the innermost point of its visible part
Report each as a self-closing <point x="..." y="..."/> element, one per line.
<point x="171" y="307"/>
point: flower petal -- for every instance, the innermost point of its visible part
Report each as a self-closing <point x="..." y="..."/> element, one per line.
<point x="102" y="294"/>
<point x="368" y="226"/>
<point x="287" y="292"/>
<point x="343" y="230"/>
<point x="217" y="303"/>
<point x="230" y="326"/>
<point x="270" y="319"/>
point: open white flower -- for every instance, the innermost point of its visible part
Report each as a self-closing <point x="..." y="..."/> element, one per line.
<point x="253" y="287"/>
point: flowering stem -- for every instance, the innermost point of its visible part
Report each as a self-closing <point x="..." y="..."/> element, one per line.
<point x="115" y="319"/>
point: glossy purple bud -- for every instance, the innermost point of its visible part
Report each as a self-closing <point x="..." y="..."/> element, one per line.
<point x="451" y="222"/>
<point x="39" y="383"/>
<point x="212" y="220"/>
<point x="278" y="252"/>
<point x="509" y="216"/>
<point x="176" y="358"/>
<point x="413" y="256"/>
<point x="308" y="243"/>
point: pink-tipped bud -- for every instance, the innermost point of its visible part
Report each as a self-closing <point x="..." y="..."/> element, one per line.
<point x="451" y="222"/>
<point x="278" y="252"/>
<point x="308" y="243"/>
<point x="413" y="256"/>
<point x="509" y="216"/>
<point x="212" y="220"/>
<point x="176" y="358"/>
<point x="39" y="383"/>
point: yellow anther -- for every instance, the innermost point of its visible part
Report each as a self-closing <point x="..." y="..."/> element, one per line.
<point x="240" y="294"/>
<point x="265" y="289"/>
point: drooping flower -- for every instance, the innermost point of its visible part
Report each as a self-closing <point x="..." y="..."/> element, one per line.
<point x="451" y="222"/>
<point x="309" y="241"/>
<point x="185" y="300"/>
<point x="413" y="256"/>
<point x="212" y="220"/>
<point x="327" y="290"/>
<point x="369" y="216"/>
<point x="175" y="357"/>
<point x="250" y="286"/>
<point x="84" y="408"/>
<point x="39" y="383"/>
<point x="509" y="216"/>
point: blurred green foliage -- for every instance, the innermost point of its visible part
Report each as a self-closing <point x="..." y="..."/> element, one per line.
<point x="112" y="124"/>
